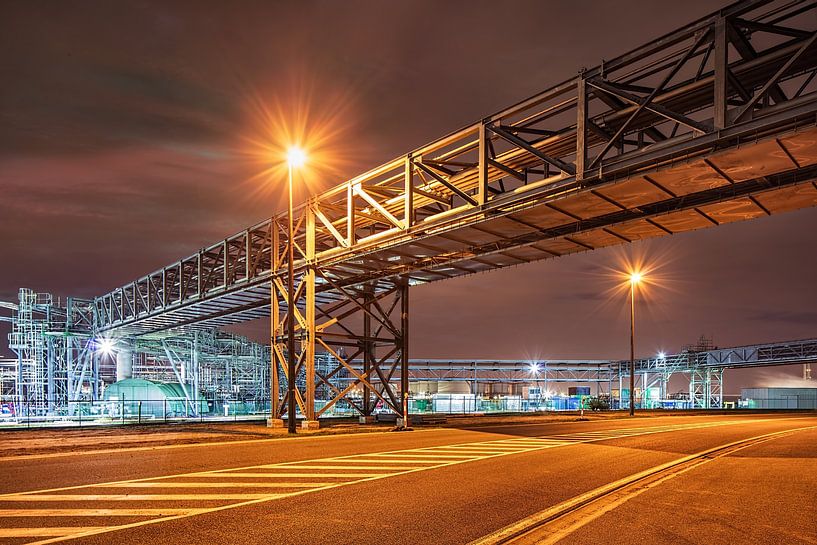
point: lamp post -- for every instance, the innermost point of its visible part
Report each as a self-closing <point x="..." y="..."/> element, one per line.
<point x="295" y="159"/>
<point x="635" y="278"/>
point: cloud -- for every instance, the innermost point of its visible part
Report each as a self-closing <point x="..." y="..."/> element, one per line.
<point x="798" y="317"/>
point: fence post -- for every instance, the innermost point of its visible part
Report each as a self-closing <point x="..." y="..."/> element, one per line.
<point x="140" y="412"/>
<point x="164" y="409"/>
<point x="123" y="409"/>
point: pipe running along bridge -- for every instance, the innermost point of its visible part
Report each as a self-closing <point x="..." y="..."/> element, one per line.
<point x="704" y="366"/>
<point x="713" y="123"/>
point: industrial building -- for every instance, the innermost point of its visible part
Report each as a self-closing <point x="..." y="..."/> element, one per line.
<point x="778" y="398"/>
<point x="62" y="372"/>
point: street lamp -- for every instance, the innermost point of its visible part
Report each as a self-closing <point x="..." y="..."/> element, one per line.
<point x="296" y="157"/>
<point x="534" y="372"/>
<point x="635" y="278"/>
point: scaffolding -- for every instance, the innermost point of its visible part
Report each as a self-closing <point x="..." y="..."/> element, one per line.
<point x="58" y="362"/>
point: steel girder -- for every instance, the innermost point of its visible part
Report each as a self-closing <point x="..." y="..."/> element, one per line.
<point x="343" y="320"/>
<point x="711" y="123"/>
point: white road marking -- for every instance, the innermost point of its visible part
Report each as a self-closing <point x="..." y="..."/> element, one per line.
<point x="136" y="497"/>
<point x="47" y="532"/>
<point x="390" y="464"/>
<point x="96" y="512"/>
<point x="216" y="484"/>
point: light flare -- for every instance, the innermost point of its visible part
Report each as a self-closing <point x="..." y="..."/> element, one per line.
<point x="305" y="116"/>
<point x="105" y="346"/>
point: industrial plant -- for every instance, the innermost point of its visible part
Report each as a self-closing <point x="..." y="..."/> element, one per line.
<point x="65" y="372"/>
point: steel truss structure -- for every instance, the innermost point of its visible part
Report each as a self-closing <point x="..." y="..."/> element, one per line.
<point x="712" y="123"/>
<point x="703" y="367"/>
<point x="54" y="362"/>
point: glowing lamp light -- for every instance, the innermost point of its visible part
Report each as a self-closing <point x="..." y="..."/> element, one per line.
<point x="296" y="157"/>
<point x="635" y="278"/>
<point x="661" y="355"/>
<point x="105" y="346"/>
<point x="534" y="368"/>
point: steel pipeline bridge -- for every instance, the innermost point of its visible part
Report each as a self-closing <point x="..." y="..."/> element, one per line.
<point x="713" y="123"/>
<point x="704" y="367"/>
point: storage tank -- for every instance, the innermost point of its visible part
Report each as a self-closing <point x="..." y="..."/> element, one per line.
<point x="158" y="399"/>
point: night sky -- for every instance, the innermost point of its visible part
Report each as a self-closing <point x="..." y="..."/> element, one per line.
<point x="133" y="133"/>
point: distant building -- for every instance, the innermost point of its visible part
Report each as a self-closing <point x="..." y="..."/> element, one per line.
<point x="778" y="398"/>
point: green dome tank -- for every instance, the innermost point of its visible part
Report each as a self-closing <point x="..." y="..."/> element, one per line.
<point x="158" y="399"/>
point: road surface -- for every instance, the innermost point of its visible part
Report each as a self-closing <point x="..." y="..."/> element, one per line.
<point x="428" y="486"/>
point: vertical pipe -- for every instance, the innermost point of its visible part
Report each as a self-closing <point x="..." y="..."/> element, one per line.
<point x="195" y="371"/>
<point x="51" y="385"/>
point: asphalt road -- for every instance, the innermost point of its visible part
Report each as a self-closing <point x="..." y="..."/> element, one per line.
<point x="423" y="487"/>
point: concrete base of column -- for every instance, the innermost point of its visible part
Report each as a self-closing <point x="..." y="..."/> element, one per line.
<point x="276" y="423"/>
<point x="366" y="419"/>
<point x="310" y="425"/>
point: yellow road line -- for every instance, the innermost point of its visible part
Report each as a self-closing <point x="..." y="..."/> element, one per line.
<point x="47" y="532"/>
<point x="583" y="511"/>
<point x="96" y="512"/>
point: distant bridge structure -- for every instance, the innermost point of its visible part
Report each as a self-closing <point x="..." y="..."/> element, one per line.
<point x="712" y="123"/>
<point x="703" y="367"/>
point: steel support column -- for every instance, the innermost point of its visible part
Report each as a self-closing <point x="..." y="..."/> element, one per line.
<point x="404" y="348"/>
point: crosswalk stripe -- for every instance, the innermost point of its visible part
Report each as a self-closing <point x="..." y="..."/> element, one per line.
<point x="422" y="455"/>
<point x="486" y="446"/>
<point x="298" y="466"/>
<point x="380" y="460"/>
<point x="48" y="532"/>
<point x="271" y="475"/>
<point x="134" y="497"/>
<point x="96" y="512"/>
<point x="213" y="484"/>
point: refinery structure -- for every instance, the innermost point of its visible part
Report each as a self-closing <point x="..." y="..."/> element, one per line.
<point x="64" y="372"/>
<point x="712" y="123"/>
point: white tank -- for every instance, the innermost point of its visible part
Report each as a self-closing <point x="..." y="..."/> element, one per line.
<point x="124" y="363"/>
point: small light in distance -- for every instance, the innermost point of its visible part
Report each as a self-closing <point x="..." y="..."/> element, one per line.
<point x="534" y="368"/>
<point x="661" y="355"/>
